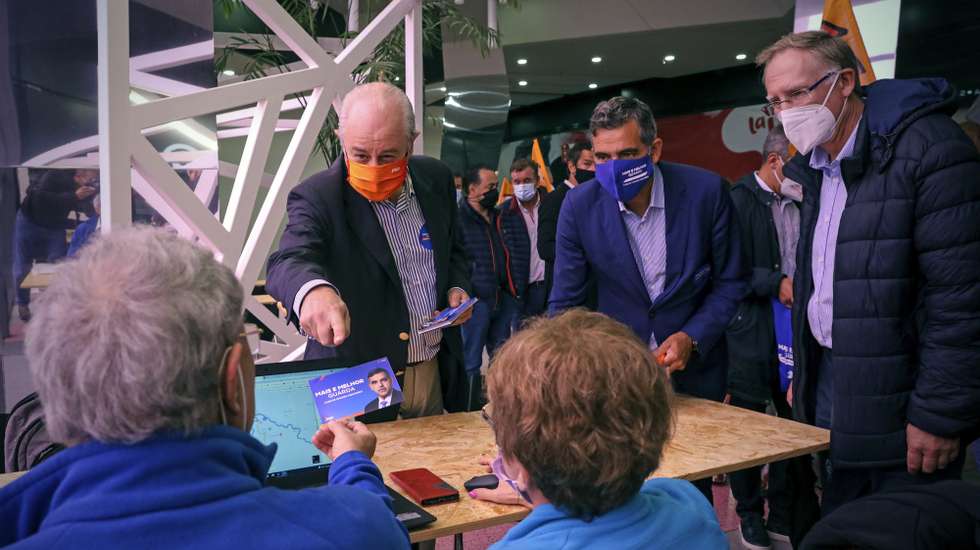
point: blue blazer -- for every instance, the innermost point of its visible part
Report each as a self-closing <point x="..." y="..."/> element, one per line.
<point x="706" y="276"/>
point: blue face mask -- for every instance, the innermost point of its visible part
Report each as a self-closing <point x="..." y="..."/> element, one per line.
<point x="623" y="179"/>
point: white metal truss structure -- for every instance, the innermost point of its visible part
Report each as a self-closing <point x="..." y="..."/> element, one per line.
<point x="324" y="80"/>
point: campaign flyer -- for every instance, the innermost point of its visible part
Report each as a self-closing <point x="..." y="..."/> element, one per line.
<point x="357" y="390"/>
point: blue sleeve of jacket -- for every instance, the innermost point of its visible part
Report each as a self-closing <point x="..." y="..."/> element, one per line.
<point x="946" y="400"/>
<point x="355" y="469"/>
<point x="570" y="287"/>
<point x="729" y="276"/>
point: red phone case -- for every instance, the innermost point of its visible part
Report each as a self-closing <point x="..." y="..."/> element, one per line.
<point x="424" y="486"/>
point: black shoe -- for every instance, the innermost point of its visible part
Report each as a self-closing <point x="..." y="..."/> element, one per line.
<point x="24" y="312"/>
<point x="753" y="533"/>
<point x="777" y="529"/>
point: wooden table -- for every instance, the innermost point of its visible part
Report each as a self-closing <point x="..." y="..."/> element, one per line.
<point x="710" y="438"/>
<point x="39" y="276"/>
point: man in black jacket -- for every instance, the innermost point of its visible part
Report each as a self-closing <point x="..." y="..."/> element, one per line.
<point x="769" y="220"/>
<point x="888" y="267"/>
<point x="499" y="252"/>
<point x="581" y="168"/>
<point x="43" y="219"/>
<point x="371" y="250"/>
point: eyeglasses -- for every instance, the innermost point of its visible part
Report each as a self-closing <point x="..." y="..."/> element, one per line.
<point x="485" y="413"/>
<point x="776" y="105"/>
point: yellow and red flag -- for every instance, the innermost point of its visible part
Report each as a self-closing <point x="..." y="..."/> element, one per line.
<point x="543" y="172"/>
<point x="506" y="190"/>
<point x="839" y="21"/>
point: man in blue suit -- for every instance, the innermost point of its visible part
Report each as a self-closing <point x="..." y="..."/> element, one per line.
<point x="662" y="242"/>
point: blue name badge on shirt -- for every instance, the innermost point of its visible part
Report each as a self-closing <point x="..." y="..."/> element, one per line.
<point x="424" y="238"/>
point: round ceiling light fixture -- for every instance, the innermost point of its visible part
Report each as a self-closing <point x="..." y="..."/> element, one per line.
<point x="522" y="61"/>
<point x="597" y="59"/>
<point x="593" y="85"/>
<point x="522" y="83"/>
<point x="669" y="58"/>
<point x="741" y="57"/>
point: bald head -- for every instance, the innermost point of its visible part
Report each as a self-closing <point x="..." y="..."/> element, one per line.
<point x="381" y="103"/>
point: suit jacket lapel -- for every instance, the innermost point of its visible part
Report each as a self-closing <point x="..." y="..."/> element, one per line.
<point x="368" y="229"/>
<point x="434" y="219"/>
<point x="614" y="228"/>
<point x="676" y="229"/>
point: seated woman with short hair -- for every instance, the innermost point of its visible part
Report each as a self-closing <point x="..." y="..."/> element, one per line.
<point x="581" y="414"/>
<point x="137" y="352"/>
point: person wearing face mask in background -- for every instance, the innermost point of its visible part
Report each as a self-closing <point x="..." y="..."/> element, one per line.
<point x="525" y="207"/>
<point x="887" y="287"/>
<point x="662" y="242"/>
<point x="581" y="168"/>
<point x="371" y="251"/>
<point x="767" y="206"/>
<point x="499" y="252"/>
<point x="156" y="419"/>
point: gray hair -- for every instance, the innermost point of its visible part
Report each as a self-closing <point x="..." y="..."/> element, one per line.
<point x="776" y="142"/>
<point x="832" y="51"/>
<point x="380" y="92"/>
<point x="128" y="338"/>
<point x="616" y="112"/>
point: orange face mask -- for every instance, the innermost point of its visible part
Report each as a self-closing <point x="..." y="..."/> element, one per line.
<point x="377" y="183"/>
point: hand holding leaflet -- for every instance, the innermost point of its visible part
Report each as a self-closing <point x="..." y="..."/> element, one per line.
<point x="448" y="316"/>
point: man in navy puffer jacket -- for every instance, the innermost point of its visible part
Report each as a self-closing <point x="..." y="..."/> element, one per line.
<point x="887" y="335"/>
<point x="137" y="352"/>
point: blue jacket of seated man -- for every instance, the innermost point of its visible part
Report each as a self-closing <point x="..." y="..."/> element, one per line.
<point x="204" y="491"/>
<point x="666" y="513"/>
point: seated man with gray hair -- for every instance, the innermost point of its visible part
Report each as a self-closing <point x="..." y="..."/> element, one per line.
<point x="137" y="352"/>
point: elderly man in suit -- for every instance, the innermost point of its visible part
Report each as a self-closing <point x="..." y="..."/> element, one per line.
<point x="661" y="241"/>
<point x="371" y="251"/>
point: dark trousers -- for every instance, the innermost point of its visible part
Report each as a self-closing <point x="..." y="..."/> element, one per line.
<point x="747" y="484"/>
<point x="842" y="485"/>
<point x="489" y="327"/>
<point x="32" y="243"/>
<point x="535" y="301"/>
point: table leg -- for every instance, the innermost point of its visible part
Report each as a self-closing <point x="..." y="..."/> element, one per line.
<point x="458" y="541"/>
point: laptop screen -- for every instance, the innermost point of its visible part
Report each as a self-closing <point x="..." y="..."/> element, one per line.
<point x="285" y="414"/>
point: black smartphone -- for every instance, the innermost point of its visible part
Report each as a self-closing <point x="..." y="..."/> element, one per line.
<point x="488" y="481"/>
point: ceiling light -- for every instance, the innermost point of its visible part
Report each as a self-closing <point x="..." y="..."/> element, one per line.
<point x="397" y="78"/>
<point x="522" y="61"/>
<point x="228" y="72"/>
<point x="597" y="59"/>
<point x="593" y="85"/>
<point x="740" y="57"/>
<point x="669" y="57"/>
<point x="442" y="89"/>
<point x="522" y="83"/>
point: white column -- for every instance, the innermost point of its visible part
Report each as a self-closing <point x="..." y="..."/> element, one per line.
<point x="492" y="15"/>
<point x="112" y="19"/>
<point x="353" y="15"/>
<point x="413" y="71"/>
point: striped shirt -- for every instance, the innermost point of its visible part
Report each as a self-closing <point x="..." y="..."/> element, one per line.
<point x="648" y="240"/>
<point x="411" y="246"/>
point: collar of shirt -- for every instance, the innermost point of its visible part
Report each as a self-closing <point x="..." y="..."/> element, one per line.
<point x="408" y="191"/>
<point x="765" y="187"/>
<point x="569" y="184"/>
<point x="656" y="193"/>
<point x="819" y="159"/>
<point x="529" y="211"/>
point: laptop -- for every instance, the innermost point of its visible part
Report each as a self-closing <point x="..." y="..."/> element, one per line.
<point x="286" y="415"/>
